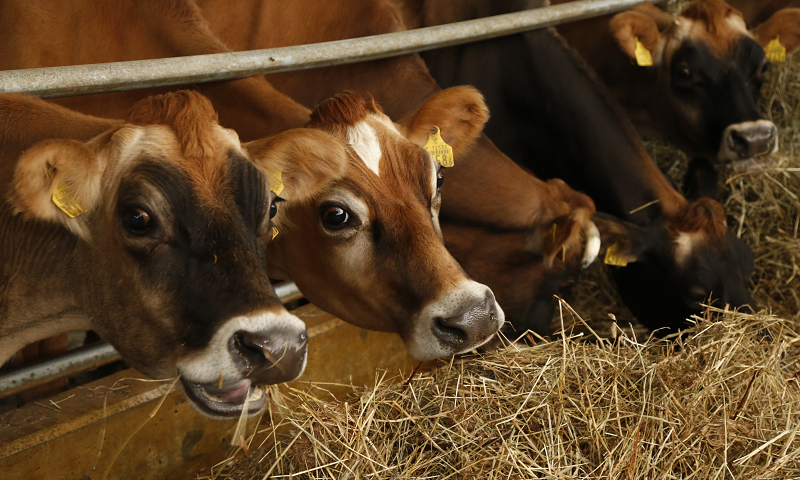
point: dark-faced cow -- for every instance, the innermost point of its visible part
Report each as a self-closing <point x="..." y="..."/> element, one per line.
<point x="496" y="218"/>
<point x="552" y="115"/>
<point x="701" y="91"/>
<point x="153" y="233"/>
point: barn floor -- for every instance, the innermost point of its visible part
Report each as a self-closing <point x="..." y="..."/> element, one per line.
<point x="604" y="400"/>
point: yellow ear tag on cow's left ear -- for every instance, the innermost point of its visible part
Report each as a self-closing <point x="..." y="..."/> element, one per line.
<point x="276" y="182"/>
<point x="274" y="232"/>
<point x="775" y="52"/>
<point x="64" y="198"/>
<point x="613" y="257"/>
<point x="642" y="54"/>
<point x="439" y="150"/>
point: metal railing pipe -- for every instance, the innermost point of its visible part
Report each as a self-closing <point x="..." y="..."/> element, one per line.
<point x="120" y="76"/>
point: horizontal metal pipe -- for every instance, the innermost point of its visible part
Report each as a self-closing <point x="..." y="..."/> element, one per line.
<point x="112" y="77"/>
<point x="89" y="357"/>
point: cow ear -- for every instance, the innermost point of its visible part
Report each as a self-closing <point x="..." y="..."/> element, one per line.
<point x="299" y="162"/>
<point x="621" y="242"/>
<point x="628" y="27"/>
<point x="783" y="25"/>
<point x="701" y="180"/>
<point x="57" y="181"/>
<point x="459" y="112"/>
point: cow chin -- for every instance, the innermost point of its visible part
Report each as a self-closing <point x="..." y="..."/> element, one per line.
<point x="246" y="353"/>
<point x="460" y="320"/>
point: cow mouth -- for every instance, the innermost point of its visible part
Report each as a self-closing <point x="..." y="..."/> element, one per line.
<point x="225" y="401"/>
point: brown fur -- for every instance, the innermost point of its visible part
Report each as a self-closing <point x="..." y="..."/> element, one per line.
<point x="714" y="15"/>
<point x="703" y="215"/>
<point x="190" y="115"/>
<point x="307" y="159"/>
<point x="343" y="109"/>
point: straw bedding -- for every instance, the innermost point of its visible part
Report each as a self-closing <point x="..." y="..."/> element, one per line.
<point x="603" y="400"/>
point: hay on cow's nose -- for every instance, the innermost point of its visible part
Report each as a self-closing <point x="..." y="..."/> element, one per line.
<point x="723" y="400"/>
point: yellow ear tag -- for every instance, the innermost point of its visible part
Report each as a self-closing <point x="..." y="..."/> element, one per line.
<point x="276" y="182"/>
<point x="440" y="151"/>
<point x="776" y="52"/>
<point x="614" y="258"/>
<point x="64" y="198"/>
<point x="274" y="232"/>
<point x="642" y="54"/>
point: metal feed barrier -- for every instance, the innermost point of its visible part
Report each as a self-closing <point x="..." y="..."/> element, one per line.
<point x="120" y="76"/>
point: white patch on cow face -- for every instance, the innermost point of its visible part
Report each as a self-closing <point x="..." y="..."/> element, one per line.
<point x="216" y="359"/>
<point x="364" y="141"/>
<point x="463" y="299"/>
<point x="684" y="245"/>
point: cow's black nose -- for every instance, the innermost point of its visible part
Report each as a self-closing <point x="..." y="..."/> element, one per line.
<point x="752" y="138"/>
<point x="271" y="356"/>
<point x="473" y="325"/>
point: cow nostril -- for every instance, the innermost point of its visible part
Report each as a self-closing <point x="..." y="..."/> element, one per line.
<point x="449" y="331"/>
<point x="252" y="347"/>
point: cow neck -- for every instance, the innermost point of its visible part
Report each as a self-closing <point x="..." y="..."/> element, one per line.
<point x="602" y="151"/>
<point x="559" y="125"/>
<point x="482" y="187"/>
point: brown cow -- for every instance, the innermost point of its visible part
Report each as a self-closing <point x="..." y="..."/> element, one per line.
<point x="368" y="248"/>
<point x="153" y="233"/>
<point x="701" y="92"/>
<point x="504" y="208"/>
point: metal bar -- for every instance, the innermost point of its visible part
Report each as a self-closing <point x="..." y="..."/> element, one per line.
<point x="89" y="357"/>
<point x="113" y="77"/>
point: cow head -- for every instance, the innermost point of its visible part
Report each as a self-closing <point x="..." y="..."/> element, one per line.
<point x="689" y="259"/>
<point x="168" y="221"/>
<point x="709" y="71"/>
<point x="368" y="246"/>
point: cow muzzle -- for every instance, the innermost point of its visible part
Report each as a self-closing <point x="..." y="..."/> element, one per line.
<point x="747" y="140"/>
<point x="463" y="319"/>
<point x="247" y="354"/>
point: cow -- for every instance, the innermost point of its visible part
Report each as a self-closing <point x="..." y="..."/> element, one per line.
<point x="553" y="115"/>
<point x="368" y="247"/>
<point x="152" y="232"/>
<point x="707" y="69"/>
<point x="507" y="215"/>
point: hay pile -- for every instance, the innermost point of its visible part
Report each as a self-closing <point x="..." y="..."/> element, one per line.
<point x="722" y="402"/>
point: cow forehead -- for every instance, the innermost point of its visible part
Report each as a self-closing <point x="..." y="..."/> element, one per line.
<point x="721" y="33"/>
<point x="384" y="162"/>
<point x="208" y="173"/>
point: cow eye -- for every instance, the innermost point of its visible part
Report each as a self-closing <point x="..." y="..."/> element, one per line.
<point x="439" y="179"/>
<point x="334" y="217"/>
<point x="273" y="210"/>
<point x="137" y="221"/>
<point x="697" y="294"/>
<point x="683" y="73"/>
